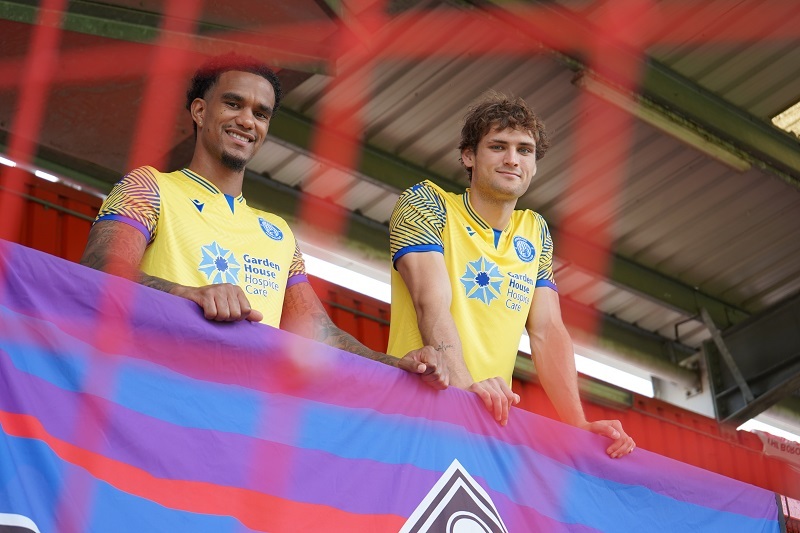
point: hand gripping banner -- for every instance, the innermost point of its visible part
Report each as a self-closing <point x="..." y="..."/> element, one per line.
<point x="122" y="409"/>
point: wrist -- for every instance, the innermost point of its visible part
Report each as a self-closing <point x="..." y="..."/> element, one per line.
<point x="178" y="290"/>
<point x="461" y="381"/>
<point x="580" y="422"/>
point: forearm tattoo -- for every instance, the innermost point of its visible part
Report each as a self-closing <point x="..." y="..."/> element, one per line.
<point x="325" y="331"/>
<point x="305" y="315"/>
<point x="110" y="251"/>
<point x="156" y="283"/>
<point x="105" y="247"/>
<point x="442" y="347"/>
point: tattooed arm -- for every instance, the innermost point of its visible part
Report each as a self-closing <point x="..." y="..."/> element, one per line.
<point x="304" y="315"/>
<point x="425" y="275"/>
<point x="117" y="248"/>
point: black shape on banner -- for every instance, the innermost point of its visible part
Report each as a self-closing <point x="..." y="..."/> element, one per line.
<point x="455" y="504"/>
<point x="16" y="523"/>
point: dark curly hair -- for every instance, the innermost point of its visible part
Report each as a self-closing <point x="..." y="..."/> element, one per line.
<point x="500" y="111"/>
<point x="209" y="72"/>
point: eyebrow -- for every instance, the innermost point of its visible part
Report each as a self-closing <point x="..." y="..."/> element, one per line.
<point x="498" y="141"/>
<point x="267" y="110"/>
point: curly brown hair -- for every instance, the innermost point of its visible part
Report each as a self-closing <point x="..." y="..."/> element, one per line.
<point x="500" y="111"/>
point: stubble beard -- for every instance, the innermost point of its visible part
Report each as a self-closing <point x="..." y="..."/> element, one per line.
<point x="233" y="162"/>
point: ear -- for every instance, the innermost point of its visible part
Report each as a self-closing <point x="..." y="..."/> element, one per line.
<point x="198" y="111"/>
<point x="468" y="157"/>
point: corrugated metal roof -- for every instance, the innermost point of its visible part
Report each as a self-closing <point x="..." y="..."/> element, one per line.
<point x="678" y="212"/>
<point x="758" y="72"/>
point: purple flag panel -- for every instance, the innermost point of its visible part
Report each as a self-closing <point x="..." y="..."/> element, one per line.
<point x="123" y="409"/>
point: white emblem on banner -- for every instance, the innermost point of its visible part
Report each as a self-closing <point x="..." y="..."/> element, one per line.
<point x="455" y="504"/>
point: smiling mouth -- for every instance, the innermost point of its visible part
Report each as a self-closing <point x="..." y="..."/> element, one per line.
<point x="506" y="173"/>
<point x="241" y="137"/>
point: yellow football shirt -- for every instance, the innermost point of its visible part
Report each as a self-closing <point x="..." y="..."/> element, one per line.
<point x="493" y="274"/>
<point x="198" y="235"/>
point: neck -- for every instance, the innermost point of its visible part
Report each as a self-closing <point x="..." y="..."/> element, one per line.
<point x="496" y="213"/>
<point x="228" y="181"/>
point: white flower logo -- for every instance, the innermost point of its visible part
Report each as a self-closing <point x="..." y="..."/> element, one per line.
<point x="218" y="264"/>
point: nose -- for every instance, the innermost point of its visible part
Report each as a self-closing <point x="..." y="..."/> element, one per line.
<point x="511" y="158"/>
<point x="245" y="118"/>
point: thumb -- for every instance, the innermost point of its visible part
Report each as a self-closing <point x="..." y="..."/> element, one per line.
<point x="255" y="316"/>
<point x="609" y="431"/>
<point x="603" y="429"/>
<point x="410" y="365"/>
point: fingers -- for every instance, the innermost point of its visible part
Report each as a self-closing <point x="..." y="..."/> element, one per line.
<point x="497" y="397"/>
<point x="435" y="376"/>
<point x="223" y="303"/>
<point x="623" y="444"/>
<point x="621" y="450"/>
<point x="248" y="312"/>
<point x="429" y="364"/>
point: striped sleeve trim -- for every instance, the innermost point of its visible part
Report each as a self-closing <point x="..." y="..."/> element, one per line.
<point x="545" y="275"/>
<point x="295" y="279"/>
<point x="418" y="220"/>
<point x="545" y="283"/>
<point x="298" y="266"/>
<point x="135" y="198"/>
<point x="411" y="249"/>
<point x="129" y="221"/>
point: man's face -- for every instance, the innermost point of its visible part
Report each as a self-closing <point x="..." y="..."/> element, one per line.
<point x="233" y="117"/>
<point x="503" y="164"/>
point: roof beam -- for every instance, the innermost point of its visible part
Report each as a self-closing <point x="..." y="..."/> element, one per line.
<point x="772" y="150"/>
<point x="137" y="26"/>
<point x="757" y="141"/>
<point x="756" y="363"/>
<point x="297" y="130"/>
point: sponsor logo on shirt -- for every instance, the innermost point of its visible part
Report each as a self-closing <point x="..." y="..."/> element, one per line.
<point x="482" y="280"/>
<point x="198" y="204"/>
<point x="221" y="266"/>
<point x="272" y="231"/>
<point x="218" y="264"/>
<point x="470" y="231"/>
<point x="525" y="250"/>
<point x="260" y="275"/>
<point x="520" y="289"/>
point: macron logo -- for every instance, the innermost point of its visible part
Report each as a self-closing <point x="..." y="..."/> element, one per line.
<point x="199" y="205"/>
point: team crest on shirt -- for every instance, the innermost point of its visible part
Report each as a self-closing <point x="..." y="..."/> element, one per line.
<point x="218" y="264"/>
<point x="482" y="280"/>
<point x="525" y="250"/>
<point x="272" y="231"/>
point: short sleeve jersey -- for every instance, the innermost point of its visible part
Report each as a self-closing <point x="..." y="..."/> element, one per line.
<point x="493" y="275"/>
<point x="196" y="235"/>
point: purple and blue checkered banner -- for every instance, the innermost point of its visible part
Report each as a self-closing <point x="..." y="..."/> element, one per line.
<point x="122" y="409"/>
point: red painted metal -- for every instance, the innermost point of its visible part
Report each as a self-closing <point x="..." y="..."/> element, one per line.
<point x="56" y="218"/>
<point x="365" y="318"/>
<point x="688" y="437"/>
<point x="791" y="510"/>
